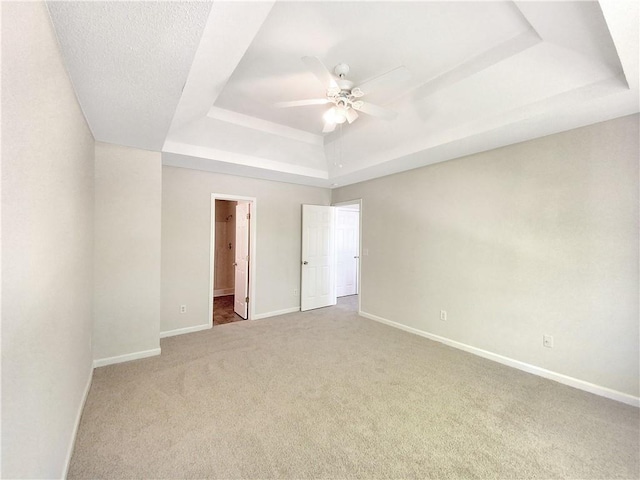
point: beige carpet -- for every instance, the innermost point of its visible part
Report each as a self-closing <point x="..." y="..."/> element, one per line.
<point x="328" y="394"/>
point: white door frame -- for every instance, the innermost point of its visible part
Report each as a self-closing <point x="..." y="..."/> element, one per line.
<point x="253" y="220"/>
<point x="358" y="202"/>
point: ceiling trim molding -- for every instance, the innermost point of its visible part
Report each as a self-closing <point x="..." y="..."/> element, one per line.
<point x="265" y="126"/>
<point x="242" y="159"/>
<point x="226" y="168"/>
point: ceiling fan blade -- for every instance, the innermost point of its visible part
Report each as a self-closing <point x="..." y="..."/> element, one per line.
<point x="386" y="80"/>
<point x="302" y="103"/>
<point x="321" y="72"/>
<point x="376" y="110"/>
<point x="329" y="127"/>
<point x="352" y="115"/>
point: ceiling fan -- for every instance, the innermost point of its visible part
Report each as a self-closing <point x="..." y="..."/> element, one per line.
<point x="344" y="96"/>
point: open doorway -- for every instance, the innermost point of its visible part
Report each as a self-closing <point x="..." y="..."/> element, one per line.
<point x="330" y="255"/>
<point x="347" y="245"/>
<point x="347" y="249"/>
<point x="232" y="265"/>
<point x="224" y="258"/>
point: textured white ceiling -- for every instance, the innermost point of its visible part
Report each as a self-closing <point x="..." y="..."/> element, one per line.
<point x="484" y="74"/>
<point x="128" y="62"/>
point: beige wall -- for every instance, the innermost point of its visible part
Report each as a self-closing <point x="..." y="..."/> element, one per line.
<point x="47" y="244"/>
<point x="535" y="238"/>
<point x="186" y="231"/>
<point x="127" y="251"/>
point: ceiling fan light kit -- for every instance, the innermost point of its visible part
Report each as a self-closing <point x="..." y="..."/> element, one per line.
<point x="336" y="115"/>
<point x="344" y="96"/>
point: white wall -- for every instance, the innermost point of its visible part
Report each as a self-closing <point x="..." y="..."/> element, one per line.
<point x="535" y="238"/>
<point x="47" y="229"/>
<point x="186" y="231"/>
<point x="127" y="252"/>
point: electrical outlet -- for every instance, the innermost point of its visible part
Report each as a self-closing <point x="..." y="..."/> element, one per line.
<point x="183" y="309"/>
<point x="547" y="341"/>
<point x="443" y="315"/>
<point x="295" y="291"/>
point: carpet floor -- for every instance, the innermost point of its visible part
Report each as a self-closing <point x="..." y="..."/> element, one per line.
<point x="329" y="394"/>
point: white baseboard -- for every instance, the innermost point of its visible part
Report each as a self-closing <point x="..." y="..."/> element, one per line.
<point x="181" y="331"/>
<point x="101" y="362"/>
<point x="510" y="362"/>
<point x="72" y="442"/>
<point x="260" y="316"/>
<point x="221" y="292"/>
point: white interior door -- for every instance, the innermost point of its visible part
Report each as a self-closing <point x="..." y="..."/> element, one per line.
<point x="318" y="260"/>
<point x="347" y="251"/>
<point x="241" y="264"/>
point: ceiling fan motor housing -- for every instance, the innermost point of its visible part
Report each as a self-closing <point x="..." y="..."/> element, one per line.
<point x="345" y="85"/>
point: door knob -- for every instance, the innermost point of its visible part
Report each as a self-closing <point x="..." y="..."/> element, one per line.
<point x="305" y="262"/>
<point x="235" y="264"/>
<point x="356" y="256"/>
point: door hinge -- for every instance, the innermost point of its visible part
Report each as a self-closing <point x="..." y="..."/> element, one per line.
<point x="248" y="216"/>
<point x="246" y="299"/>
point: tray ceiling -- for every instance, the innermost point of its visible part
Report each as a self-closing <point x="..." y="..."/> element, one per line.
<point x="199" y="81"/>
